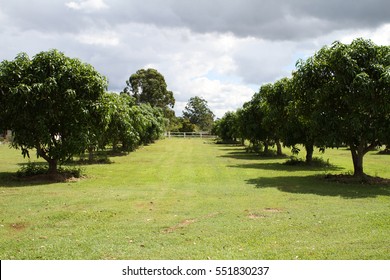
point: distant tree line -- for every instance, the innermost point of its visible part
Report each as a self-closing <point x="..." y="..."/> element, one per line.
<point x="338" y="97"/>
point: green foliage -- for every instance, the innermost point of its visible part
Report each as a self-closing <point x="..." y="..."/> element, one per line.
<point x="337" y="97"/>
<point x="227" y="127"/>
<point x="351" y="98"/>
<point x="187" y="126"/>
<point x="199" y="114"/>
<point x="275" y="99"/>
<point x="250" y="118"/>
<point x="316" y="162"/>
<point x="120" y="127"/>
<point x="131" y="125"/>
<point x="50" y="102"/>
<point x="152" y="123"/>
<point x="149" y="86"/>
<point x="33" y="169"/>
<point x="75" y="172"/>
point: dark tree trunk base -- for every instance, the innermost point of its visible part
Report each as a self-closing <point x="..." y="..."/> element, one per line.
<point x="357" y="158"/>
<point x="279" y="148"/>
<point x="309" y="153"/>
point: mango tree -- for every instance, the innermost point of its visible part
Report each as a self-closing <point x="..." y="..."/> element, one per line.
<point x="275" y="100"/>
<point x="352" y="100"/>
<point x="49" y="103"/>
<point x="249" y="122"/>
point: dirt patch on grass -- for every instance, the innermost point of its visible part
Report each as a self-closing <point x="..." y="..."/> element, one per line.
<point x="272" y="210"/>
<point x="18" y="226"/>
<point x="255" y="216"/>
<point x="187" y="222"/>
<point x="350" y="179"/>
<point x="180" y="225"/>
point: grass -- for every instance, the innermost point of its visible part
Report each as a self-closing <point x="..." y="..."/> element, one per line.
<point x="192" y="199"/>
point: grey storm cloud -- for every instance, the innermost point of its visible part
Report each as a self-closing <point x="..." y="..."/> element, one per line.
<point x="267" y="19"/>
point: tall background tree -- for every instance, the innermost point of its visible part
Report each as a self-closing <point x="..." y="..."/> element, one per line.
<point x="49" y="103"/>
<point x="148" y="86"/>
<point x="199" y="114"/>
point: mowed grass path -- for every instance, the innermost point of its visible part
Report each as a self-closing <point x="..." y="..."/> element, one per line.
<point x="192" y="199"/>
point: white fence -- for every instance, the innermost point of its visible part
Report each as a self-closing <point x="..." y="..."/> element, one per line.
<point x="170" y="134"/>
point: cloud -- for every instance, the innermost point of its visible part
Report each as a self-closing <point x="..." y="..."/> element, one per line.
<point x="87" y="5"/>
<point x="266" y="19"/>
<point x="97" y="37"/>
<point x="192" y="64"/>
<point x="220" y="50"/>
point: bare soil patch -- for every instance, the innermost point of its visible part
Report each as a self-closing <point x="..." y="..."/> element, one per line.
<point x="180" y="225"/>
<point x="18" y="226"/>
<point x="188" y="222"/>
<point x="272" y="210"/>
<point x="255" y="216"/>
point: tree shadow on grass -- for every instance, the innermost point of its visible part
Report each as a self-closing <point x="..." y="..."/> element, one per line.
<point x="242" y="155"/>
<point x="318" y="185"/>
<point x="10" y="180"/>
<point x="277" y="166"/>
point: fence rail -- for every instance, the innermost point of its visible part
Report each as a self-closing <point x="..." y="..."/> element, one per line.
<point x="170" y="134"/>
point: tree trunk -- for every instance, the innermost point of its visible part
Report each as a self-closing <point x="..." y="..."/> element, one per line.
<point x="114" y="145"/>
<point x="279" y="148"/>
<point x="266" y="147"/>
<point x="357" y="158"/>
<point x="90" y="153"/>
<point x="53" y="165"/>
<point x="309" y="152"/>
<point x="125" y="146"/>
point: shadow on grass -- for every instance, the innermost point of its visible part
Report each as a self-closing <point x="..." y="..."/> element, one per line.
<point x="277" y="166"/>
<point x="242" y="155"/>
<point x="318" y="185"/>
<point x="36" y="173"/>
<point x="10" y="180"/>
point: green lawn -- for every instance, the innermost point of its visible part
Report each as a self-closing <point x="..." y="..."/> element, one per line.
<point x="192" y="199"/>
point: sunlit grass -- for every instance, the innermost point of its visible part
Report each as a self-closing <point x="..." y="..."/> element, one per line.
<point x="192" y="199"/>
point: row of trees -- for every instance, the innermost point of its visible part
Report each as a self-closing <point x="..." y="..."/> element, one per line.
<point x="59" y="106"/>
<point x="339" y="96"/>
<point x="148" y="86"/>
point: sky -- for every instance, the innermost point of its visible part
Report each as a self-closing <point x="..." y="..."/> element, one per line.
<point x="220" y="50"/>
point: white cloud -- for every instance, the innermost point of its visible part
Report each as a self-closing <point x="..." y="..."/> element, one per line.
<point x="87" y="5"/>
<point x="221" y="96"/>
<point x="380" y="35"/>
<point x="100" y="38"/>
<point x="192" y="64"/>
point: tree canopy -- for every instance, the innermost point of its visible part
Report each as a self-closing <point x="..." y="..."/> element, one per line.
<point x="339" y="96"/>
<point x="149" y="86"/>
<point x="48" y="103"/>
<point x="352" y="102"/>
<point x="198" y="113"/>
